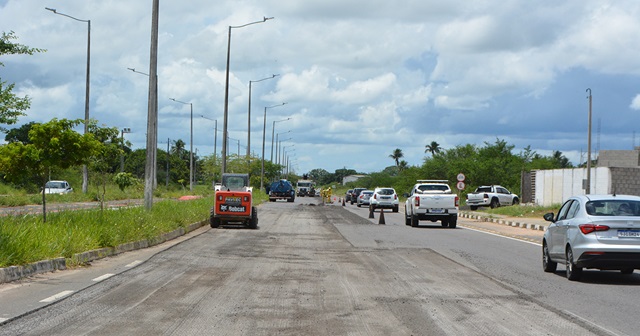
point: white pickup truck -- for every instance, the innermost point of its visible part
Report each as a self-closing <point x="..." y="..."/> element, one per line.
<point x="492" y="196"/>
<point x="431" y="200"/>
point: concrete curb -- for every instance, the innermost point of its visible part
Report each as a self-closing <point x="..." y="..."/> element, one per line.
<point x="520" y="223"/>
<point x="13" y="273"/>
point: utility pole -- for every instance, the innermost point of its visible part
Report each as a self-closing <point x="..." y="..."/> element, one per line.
<point x="152" y="112"/>
<point x="587" y="187"/>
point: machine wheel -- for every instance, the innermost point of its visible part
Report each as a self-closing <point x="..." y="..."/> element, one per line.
<point x="214" y="222"/>
<point x="548" y="265"/>
<point x="253" y="222"/>
<point x="494" y="203"/>
<point x="453" y="221"/>
<point x="414" y="221"/>
<point x="573" y="272"/>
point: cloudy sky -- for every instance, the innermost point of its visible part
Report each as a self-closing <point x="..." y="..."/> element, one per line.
<point x="360" y="77"/>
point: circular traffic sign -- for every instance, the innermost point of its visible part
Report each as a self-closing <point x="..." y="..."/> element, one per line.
<point x="460" y="185"/>
<point x="461" y="177"/>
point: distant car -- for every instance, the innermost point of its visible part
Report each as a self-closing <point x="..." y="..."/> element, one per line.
<point x="363" y="198"/>
<point x="347" y="195"/>
<point x="356" y="194"/>
<point x="593" y="231"/>
<point x="57" y="187"/>
<point x="384" y="198"/>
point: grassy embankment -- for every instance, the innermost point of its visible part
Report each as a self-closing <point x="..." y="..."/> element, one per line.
<point x="26" y="238"/>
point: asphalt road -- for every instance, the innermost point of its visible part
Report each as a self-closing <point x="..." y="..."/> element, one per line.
<point x="327" y="270"/>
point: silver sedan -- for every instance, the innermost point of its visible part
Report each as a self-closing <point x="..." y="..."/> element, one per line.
<point x="593" y="231"/>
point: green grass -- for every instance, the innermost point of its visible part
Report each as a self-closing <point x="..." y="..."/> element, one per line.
<point x="526" y="211"/>
<point x="26" y="239"/>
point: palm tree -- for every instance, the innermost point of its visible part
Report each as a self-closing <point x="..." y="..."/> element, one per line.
<point x="403" y="165"/>
<point x="433" y="147"/>
<point x="397" y="155"/>
<point x="178" y="148"/>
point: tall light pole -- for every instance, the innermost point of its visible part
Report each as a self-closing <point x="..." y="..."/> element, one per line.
<point x="85" y="171"/>
<point x="273" y="130"/>
<point x="249" y="119"/>
<point x="587" y="187"/>
<point x="124" y="130"/>
<point x="264" y="129"/>
<point x="278" y="144"/>
<point x="226" y="94"/>
<point x="190" y="145"/>
<point x="215" y="141"/>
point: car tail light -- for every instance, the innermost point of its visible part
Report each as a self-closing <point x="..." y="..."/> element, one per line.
<point x="457" y="201"/>
<point x="417" y="201"/>
<point x="588" y="228"/>
<point x="220" y="198"/>
<point x="395" y="197"/>
<point x="246" y="199"/>
<point x="375" y="196"/>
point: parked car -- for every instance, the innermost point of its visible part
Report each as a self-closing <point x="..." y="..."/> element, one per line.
<point x="356" y="194"/>
<point x="384" y="198"/>
<point x="347" y="196"/>
<point x="57" y="187"/>
<point x="363" y="198"/>
<point x="593" y="231"/>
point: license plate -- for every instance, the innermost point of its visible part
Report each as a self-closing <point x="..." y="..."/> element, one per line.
<point x="437" y="211"/>
<point x="629" y="233"/>
<point x="232" y="199"/>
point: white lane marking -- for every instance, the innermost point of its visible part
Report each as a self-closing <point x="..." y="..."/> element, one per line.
<point x="135" y="263"/>
<point x="2" y="319"/>
<point x="498" y="235"/>
<point x="102" y="277"/>
<point x="57" y="296"/>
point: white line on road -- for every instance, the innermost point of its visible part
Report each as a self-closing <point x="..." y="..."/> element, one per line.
<point x="135" y="263"/>
<point x="103" y="277"/>
<point x="57" y="296"/>
<point x="499" y="235"/>
<point x="2" y="319"/>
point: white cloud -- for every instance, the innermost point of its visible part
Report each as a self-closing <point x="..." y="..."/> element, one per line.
<point x="635" y="103"/>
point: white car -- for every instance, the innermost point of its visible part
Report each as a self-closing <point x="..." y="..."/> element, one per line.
<point x="593" y="231"/>
<point x="57" y="187"/>
<point x="384" y="198"/>
<point x="364" y="197"/>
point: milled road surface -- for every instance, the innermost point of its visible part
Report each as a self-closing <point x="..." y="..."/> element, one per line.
<point x="298" y="275"/>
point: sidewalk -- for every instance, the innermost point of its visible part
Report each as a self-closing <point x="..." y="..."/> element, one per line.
<point x="523" y="222"/>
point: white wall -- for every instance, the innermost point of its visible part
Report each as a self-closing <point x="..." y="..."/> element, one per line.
<point x="557" y="185"/>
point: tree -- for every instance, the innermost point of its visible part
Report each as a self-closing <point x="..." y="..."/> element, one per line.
<point x="12" y="106"/>
<point x="434" y="148"/>
<point x="20" y="134"/>
<point x="106" y="158"/>
<point x="52" y="145"/>
<point x="397" y="155"/>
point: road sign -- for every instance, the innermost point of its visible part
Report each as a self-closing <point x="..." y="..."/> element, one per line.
<point x="461" y="177"/>
<point x="460" y="185"/>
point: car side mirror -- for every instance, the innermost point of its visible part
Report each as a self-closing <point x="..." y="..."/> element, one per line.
<point x="549" y="217"/>
<point x="405" y="194"/>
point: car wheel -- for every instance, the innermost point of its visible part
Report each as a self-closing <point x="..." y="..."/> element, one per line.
<point x="548" y="265"/>
<point x="253" y="222"/>
<point x="444" y="222"/>
<point x="359" y="206"/>
<point x="453" y="221"/>
<point x="626" y="271"/>
<point x="473" y="207"/>
<point x="494" y="203"/>
<point x="395" y="208"/>
<point x="414" y="221"/>
<point x="573" y="272"/>
<point x="516" y="201"/>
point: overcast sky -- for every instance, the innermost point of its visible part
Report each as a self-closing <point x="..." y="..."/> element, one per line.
<point x="360" y="77"/>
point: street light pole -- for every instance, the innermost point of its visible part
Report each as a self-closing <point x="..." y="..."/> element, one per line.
<point x="249" y="120"/>
<point x="226" y="94"/>
<point x="264" y="129"/>
<point x="278" y="143"/>
<point x="124" y="130"/>
<point x="85" y="171"/>
<point x="190" y="145"/>
<point x="587" y="187"/>
<point x="273" y="129"/>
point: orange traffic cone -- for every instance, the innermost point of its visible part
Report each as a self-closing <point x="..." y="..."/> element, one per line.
<point x="381" y="220"/>
<point x="371" y="212"/>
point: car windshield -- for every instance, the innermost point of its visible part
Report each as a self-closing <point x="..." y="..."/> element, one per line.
<point x="433" y="187"/>
<point x="235" y="182"/>
<point x="613" y="208"/>
<point x="55" y="185"/>
<point x="386" y="192"/>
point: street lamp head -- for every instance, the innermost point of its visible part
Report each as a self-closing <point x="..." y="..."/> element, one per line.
<point x="51" y="9"/>
<point x="267" y="18"/>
